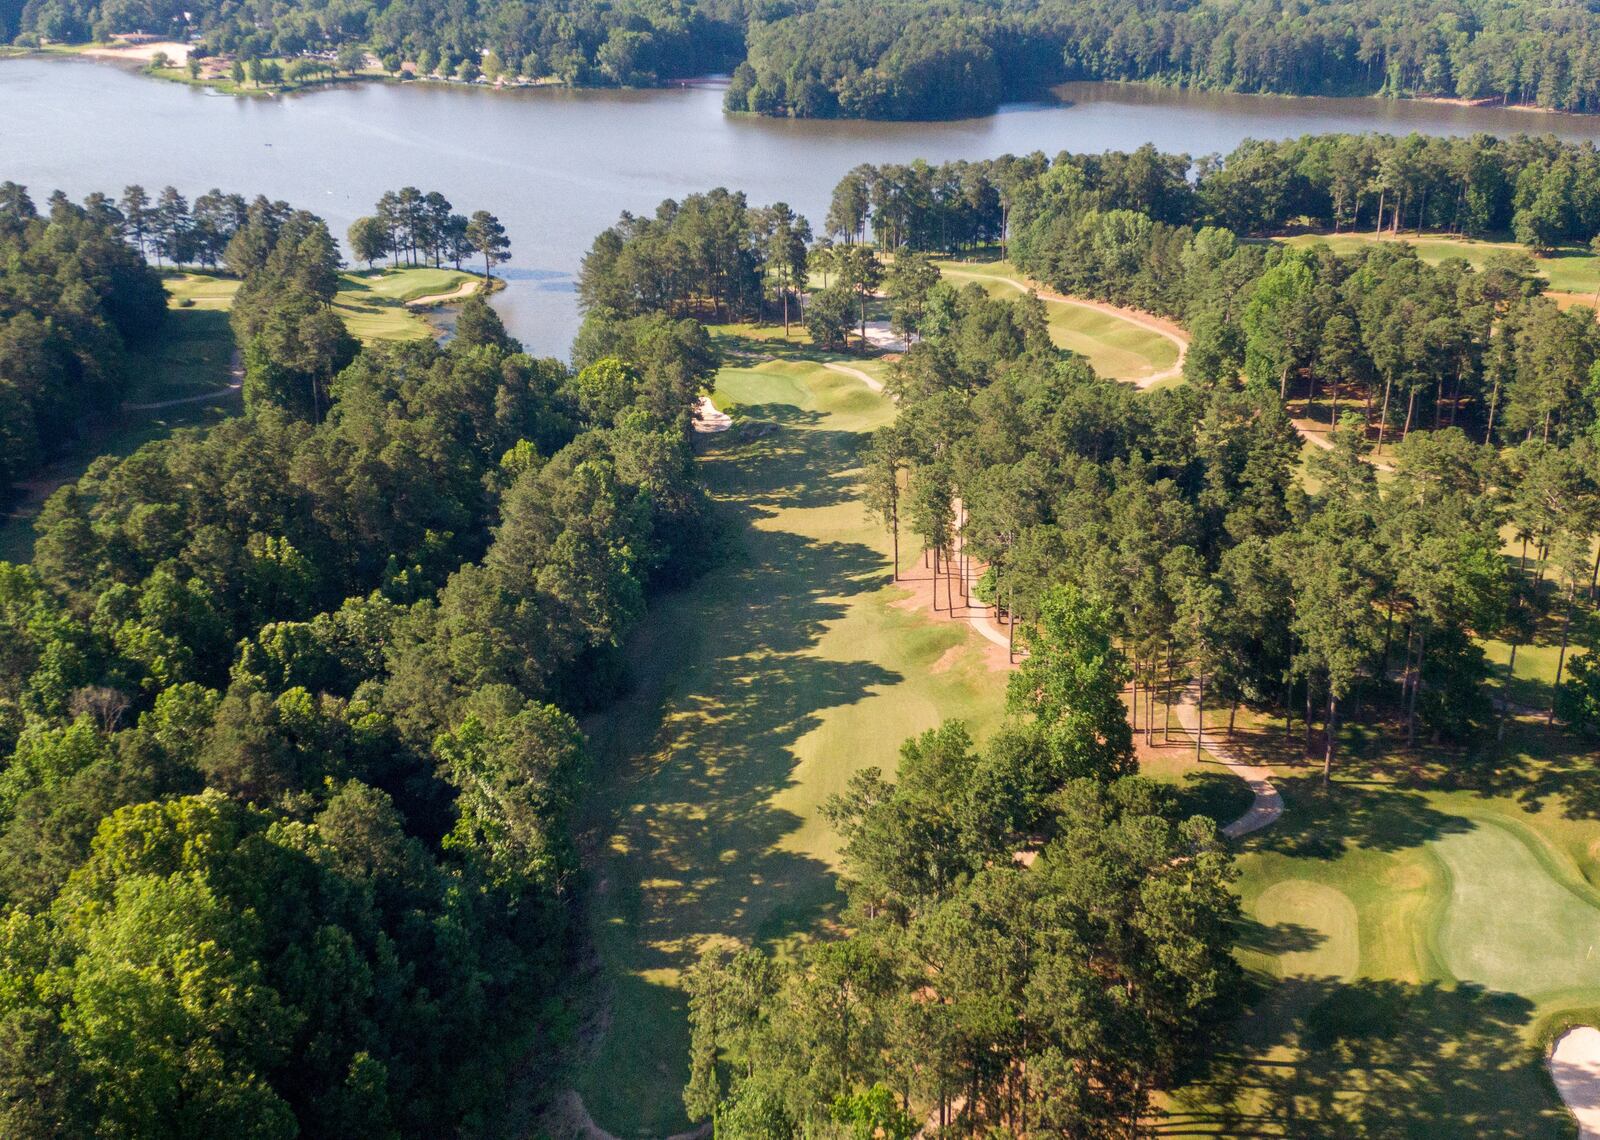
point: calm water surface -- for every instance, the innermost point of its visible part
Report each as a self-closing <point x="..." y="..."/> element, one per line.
<point x="559" y="166"/>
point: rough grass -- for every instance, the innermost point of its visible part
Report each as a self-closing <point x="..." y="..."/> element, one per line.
<point x="793" y="663"/>
<point x="1413" y="944"/>
<point x="1117" y="348"/>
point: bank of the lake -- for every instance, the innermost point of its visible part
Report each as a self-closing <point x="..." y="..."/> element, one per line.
<point x="559" y="165"/>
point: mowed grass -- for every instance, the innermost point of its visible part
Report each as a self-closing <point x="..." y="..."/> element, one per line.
<point x="194" y="353"/>
<point x="1116" y="348"/>
<point x="1412" y="950"/>
<point x="1569" y="269"/>
<point x="792" y="664"/>
<point x="373" y="304"/>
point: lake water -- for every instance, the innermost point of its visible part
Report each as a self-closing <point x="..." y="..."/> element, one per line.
<point x="559" y="166"/>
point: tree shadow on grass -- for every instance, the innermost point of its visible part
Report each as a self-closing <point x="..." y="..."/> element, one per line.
<point x="685" y="843"/>
<point x="1279" y="938"/>
<point x="1537" y="763"/>
<point x="1375" y="1058"/>
<point x="797" y="466"/>
<point x="1323" y="823"/>
<point x="1214" y="793"/>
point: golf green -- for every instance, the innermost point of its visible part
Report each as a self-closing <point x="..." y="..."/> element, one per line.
<point x="1509" y="924"/>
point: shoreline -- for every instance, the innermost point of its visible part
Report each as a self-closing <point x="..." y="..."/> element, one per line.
<point x="137" y="57"/>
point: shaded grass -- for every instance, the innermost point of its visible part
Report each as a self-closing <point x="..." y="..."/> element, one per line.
<point x="195" y="350"/>
<point x="792" y="664"/>
<point x="1205" y="789"/>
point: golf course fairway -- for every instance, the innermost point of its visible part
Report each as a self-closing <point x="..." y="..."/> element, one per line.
<point x="794" y="662"/>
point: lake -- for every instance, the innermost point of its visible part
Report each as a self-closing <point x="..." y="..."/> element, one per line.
<point x="559" y="166"/>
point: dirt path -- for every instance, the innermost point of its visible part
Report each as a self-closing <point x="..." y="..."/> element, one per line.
<point x="569" y="1119"/>
<point x="1147" y="321"/>
<point x="1575" y="1069"/>
<point x="465" y="289"/>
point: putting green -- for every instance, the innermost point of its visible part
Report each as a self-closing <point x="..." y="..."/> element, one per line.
<point x="1509" y="924"/>
<point x="792" y="663"/>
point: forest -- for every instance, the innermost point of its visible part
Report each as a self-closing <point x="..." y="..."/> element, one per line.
<point x="288" y="705"/>
<point x="907" y="60"/>
<point x="291" y="704"/>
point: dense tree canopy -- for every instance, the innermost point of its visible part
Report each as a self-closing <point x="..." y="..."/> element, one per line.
<point x="905" y="59"/>
<point x="286" y="706"/>
<point x="73" y="298"/>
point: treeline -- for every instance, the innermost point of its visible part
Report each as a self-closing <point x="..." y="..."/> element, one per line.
<point x="408" y="223"/>
<point x="285" y="706"/>
<point x="73" y="298"/>
<point x="1538" y="189"/>
<point x="574" y="41"/>
<point x="852" y="59"/>
<point x="905" y="60"/>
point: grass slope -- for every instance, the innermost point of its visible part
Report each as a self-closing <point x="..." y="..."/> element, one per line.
<point x="1117" y="348"/>
<point x="793" y="663"/>
<point x="373" y="304"/>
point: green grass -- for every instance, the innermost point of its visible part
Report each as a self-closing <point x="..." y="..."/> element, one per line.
<point x="1569" y="269"/>
<point x="1116" y="348"/>
<point x="1413" y="945"/>
<point x="1203" y="789"/>
<point x="373" y="305"/>
<point x="195" y="351"/>
<point x="793" y="663"/>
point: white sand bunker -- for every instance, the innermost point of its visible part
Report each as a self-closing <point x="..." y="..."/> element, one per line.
<point x="708" y="419"/>
<point x="1575" y="1068"/>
